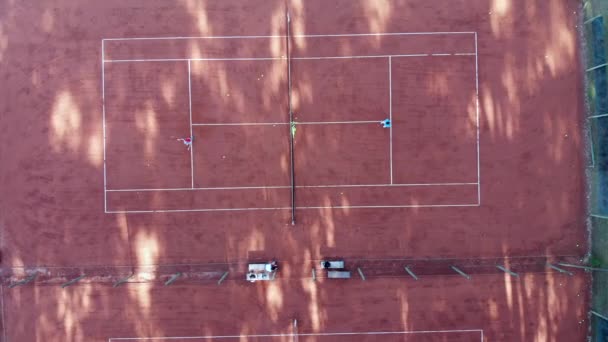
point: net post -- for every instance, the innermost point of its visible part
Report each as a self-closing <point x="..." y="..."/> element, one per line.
<point x="173" y="278"/>
<point x="123" y="280"/>
<point x="24" y="281"/>
<point x="409" y="271"/>
<point x="361" y="273"/>
<point x="506" y="270"/>
<point x="459" y="271"/>
<point x="73" y="281"/>
<point x="219" y="282"/>
<point x="560" y="270"/>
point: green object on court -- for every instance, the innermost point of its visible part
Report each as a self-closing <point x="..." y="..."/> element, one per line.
<point x="293" y="129"/>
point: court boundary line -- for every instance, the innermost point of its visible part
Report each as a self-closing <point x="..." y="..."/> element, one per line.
<point x="352" y="333"/>
<point x="390" y="114"/>
<point x="103" y="121"/>
<point x="289" y="208"/>
<point x="103" y="61"/>
<point x="477" y="120"/>
<point x="453" y="54"/>
<point x="190" y="110"/>
<point x="288" y="123"/>
<point x="295" y="35"/>
<point x="297" y="186"/>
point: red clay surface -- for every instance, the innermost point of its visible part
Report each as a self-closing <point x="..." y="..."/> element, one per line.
<point x="238" y="91"/>
<point x="52" y="164"/>
<point x="337" y="154"/>
<point x="143" y="122"/>
<point x="522" y="310"/>
<point x="434" y="119"/>
<point x="229" y="156"/>
<point x="340" y="89"/>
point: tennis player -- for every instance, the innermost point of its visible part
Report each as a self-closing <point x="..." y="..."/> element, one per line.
<point x="187" y="142"/>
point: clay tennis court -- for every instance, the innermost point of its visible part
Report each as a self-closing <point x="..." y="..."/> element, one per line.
<point x="481" y="165"/>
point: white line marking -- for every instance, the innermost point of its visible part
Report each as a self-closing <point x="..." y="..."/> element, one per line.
<point x="2" y="313"/>
<point x="287" y="123"/>
<point x="200" y="37"/>
<point x="193" y="59"/>
<point x="297" y="35"/>
<point x="363" y="333"/>
<point x="289" y="208"/>
<point x="465" y="54"/>
<point x="275" y="58"/>
<point x="298" y="186"/>
<point x="336" y="122"/>
<point x="191" y="136"/>
<point x="390" y="114"/>
<point x="242" y="124"/>
<point x="477" y="118"/>
<point x="361" y="56"/>
<point x="103" y="124"/>
<point x="441" y="54"/>
<point x="379" y="34"/>
<point x="192" y="210"/>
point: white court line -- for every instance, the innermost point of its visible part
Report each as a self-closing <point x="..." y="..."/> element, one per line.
<point x="191" y="136"/>
<point x="362" y="333"/>
<point x="2" y="313"/>
<point x="361" y="56"/>
<point x="336" y="122"/>
<point x="296" y="35"/>
<point x="477" y="120"/>
<point x="390" y="114"/>
<point x="287" y="123"/>
<point x="193" y="59"/>
<point x="297" y="186"/>
<point x="103" y="115"/>
<point x="277" y="58"/>
<point x="242" y="124"/>
<point x="192" y="210"/>
<point x="441" y="54"/>
<point x="290" y="208"/>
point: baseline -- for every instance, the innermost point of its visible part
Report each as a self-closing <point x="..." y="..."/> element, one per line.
<point x="328" y="334"/>
<point x="328" y="45"/>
